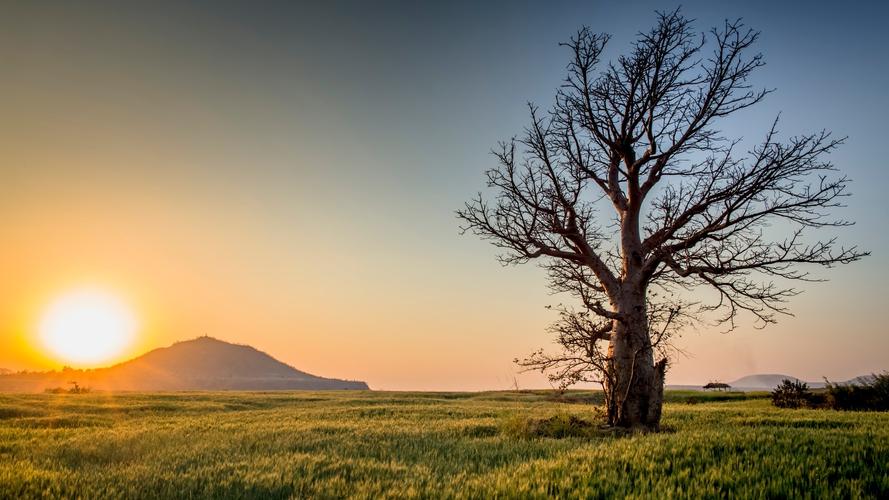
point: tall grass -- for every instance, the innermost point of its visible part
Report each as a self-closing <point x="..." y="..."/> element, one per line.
<point x="379" y="445"/>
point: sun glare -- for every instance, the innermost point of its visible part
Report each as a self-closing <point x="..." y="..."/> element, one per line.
<point x="87" y="326"/>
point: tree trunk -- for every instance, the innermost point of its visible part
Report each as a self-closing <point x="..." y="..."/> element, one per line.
<point x="636" y="383"/>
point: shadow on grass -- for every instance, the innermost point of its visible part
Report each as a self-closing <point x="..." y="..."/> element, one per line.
<point x="801" y="423"/>
<point x="558" y="426"/>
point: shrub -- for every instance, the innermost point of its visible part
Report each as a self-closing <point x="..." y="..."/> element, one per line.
<point x="76" y="389"/>
<point x="818" y="399"/>
<point x="869" y="394"/>
<point x="880" y="386"/>
<point x="791" y="394"/>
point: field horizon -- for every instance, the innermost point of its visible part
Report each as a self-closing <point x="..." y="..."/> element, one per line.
<point x="209" y="363"/>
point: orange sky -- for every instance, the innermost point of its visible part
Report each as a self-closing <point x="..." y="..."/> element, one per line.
<point x="288" y="180"/>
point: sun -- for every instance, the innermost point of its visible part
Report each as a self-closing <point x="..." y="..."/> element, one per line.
<point x="87" y="326"/>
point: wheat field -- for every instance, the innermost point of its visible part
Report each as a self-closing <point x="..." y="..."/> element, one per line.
<point x="408" y="445"/>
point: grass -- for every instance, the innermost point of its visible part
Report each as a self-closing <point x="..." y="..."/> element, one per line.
<point x="378" y="444"/>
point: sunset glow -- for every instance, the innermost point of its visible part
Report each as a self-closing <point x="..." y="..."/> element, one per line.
<point x="286" y="177"/>
<point x="447" y="249"/>
<point x="87" y="326"/>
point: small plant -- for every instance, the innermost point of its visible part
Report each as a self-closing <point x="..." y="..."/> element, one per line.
<point x="791" y="394"/>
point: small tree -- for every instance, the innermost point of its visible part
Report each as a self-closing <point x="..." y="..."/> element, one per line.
<point x="640" y="139"/>
<point x="791" y="394"/>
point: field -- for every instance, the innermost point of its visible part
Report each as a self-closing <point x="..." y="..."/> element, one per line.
<point x="372" y="444"/>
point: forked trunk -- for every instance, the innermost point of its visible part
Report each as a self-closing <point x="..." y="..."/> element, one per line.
<point x="636" y="383"/>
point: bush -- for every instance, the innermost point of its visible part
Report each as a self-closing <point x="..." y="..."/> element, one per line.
<point x="76" y="389"/>
<point x="871" y="394"/>
<point x="792" y="394"/>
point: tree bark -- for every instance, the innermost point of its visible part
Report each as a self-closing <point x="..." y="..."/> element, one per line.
<point x="637" y="382"/>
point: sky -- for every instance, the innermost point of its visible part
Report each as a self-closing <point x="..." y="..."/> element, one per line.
<point x="286" y="176"/>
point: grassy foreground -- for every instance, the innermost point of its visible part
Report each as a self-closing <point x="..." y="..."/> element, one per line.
<point x="371" y="445"/>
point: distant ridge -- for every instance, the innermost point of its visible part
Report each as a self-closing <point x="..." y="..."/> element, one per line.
<point x="204" y="363"/>
<point x="768" y="382"/>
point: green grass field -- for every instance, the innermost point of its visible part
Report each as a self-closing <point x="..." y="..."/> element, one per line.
<point x="377" y="444"/>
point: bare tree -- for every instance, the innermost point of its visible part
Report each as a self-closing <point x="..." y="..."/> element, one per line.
<point x="639" y="139"/>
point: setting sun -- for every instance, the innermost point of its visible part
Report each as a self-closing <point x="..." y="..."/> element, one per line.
<point x="87" y="326"/>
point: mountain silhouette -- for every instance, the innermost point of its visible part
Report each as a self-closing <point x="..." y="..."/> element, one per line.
<point x="761" y="381"/>
<point x="769" y="381"/>
<point x="204" y="363"/>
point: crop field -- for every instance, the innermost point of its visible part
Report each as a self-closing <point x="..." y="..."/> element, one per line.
<point x="378" y="444"/>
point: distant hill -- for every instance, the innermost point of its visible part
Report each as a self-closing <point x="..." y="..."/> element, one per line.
<point x="759" y="382"/>
<point x="762" y="381"/>
<point x="861" y="380"/>
<point x="767" y="382"/>
<point x="203" y="363"/>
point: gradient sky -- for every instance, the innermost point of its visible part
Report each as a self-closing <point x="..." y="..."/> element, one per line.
<point x="286" y="176"/>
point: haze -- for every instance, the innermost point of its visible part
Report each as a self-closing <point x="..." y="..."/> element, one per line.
<point x="287" y="177"/>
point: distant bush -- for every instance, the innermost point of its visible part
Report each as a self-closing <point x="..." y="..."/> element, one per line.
<point x="870" y="394"/>
<point x="75" y="389"/>
<point x="867" y="394"/>
<point x="792" y="394"/>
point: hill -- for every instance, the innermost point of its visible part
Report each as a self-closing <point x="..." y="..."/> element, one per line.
<point x="768" y="381"/>
<point x="760" y="381"/>
<point x="203" y="363"/>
